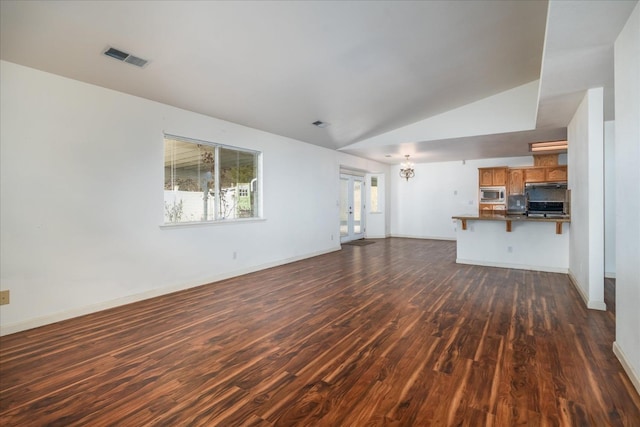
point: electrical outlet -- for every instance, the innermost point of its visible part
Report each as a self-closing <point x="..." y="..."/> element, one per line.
<point x="4" y="297"/>
<point x="510" y="249"/>
<point x="235" y="255"/>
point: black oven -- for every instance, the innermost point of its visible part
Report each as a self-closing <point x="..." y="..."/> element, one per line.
<point x="546" y="209"/>
<point x="549" y="199"/>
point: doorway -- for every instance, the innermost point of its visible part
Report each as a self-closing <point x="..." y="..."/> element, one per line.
<point x="352" y="207"/>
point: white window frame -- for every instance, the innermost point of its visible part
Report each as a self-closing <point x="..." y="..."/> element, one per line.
<point x="380" y="192"/>
<point x="257" y="214"/>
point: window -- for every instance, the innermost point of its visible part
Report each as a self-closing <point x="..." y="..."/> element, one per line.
<point x="373" y="203"/>
<point x="208" y="182"/>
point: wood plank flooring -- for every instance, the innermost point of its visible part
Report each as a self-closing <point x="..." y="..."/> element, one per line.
<point x="393" y="333"/>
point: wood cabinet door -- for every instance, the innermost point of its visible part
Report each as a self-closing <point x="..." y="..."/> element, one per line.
<point x="486" y="209"/>
<point x="516" y="181"/>
<point x="556" y="173"/>
<point x="485" y="177"/>
<point x="534" y="175"/>
<point x="545" y="160"/>
<point x="492" y="177"/>
<point x="499" y="176"/>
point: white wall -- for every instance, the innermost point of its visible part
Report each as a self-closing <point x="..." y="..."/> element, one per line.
<point x="627" y="133"/>
<point x="609" y="201"/>
<point x="423" y="206"/>
<point x="102" y="243"/>
<point x="529" y="245"/>
<point x="586" y="180"/>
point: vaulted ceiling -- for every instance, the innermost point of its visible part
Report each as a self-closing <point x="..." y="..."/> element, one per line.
<point x="440" y="80"/>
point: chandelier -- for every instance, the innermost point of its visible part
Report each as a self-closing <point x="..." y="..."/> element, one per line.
<point x="406" y="169"/>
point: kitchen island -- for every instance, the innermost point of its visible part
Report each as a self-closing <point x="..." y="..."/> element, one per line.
<point x="509" y="219"/>
<point x="513" y="241"/>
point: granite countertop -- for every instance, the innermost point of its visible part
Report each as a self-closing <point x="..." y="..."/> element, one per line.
<point x="503" y="217"/>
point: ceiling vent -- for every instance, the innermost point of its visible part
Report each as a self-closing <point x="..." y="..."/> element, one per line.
<point x="320" y="124"/>
<point x="126" y="57"/>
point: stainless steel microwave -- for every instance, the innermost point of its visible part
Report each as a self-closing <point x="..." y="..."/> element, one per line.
<point x="492" y="194"/>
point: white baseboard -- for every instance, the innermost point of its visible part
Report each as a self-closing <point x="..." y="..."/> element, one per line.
<point x="610" y="275"/>
<point x="408" y="236"/>
<point x="81" y="311"/>
<point x="515" y="266"/>
<point x="594" y="305"/>
<point x="624" y="361"/>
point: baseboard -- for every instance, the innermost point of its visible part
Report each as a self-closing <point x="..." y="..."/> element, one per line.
<point x="514" y="266"/>
<point x="575" y="284"/>
<point x="610" y="275"/>
<point x="593" y="305"/>
<point x="624" y="361"/>
<point x="597" y="305"/>
<point x="81" y="311"/>
<point x="408" y="236"/>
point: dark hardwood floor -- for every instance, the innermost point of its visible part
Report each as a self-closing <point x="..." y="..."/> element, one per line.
<point x="393" y="333"/>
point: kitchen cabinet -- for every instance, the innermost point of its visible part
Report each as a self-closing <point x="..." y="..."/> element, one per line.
<point x="485" y="177"/>
<point x="500" y="176"/>
<point x="491" y="208"/>
<point x="545" y="160"/>
<point x="515" y="181"/>
<point x="546" y="174"/>
<point x="534" y="174"/>
<point x="492" y="177"/>
<point x="556" y="173"/>
<point x="486" y="209"/>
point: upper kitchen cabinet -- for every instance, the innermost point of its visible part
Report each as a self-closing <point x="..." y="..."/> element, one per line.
<point x="535" y="174"/>
<point x="545" y="160"/>
<point x="515" y="181"/>
<point x="488" y="177"/>
<point x="556" y="173"/>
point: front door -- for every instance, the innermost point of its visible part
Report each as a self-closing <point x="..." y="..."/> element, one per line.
<point x="351" y="208"/>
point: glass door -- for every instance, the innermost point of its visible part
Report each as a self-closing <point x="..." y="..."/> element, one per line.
<point x="352" y="225"/>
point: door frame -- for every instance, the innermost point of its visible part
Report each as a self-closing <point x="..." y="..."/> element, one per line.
<point x="350" y="208"/>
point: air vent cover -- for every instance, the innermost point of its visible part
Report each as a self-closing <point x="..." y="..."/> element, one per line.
<point x="320" y="124"/>
<point x="134" y="60"/>
<point x="125" y="57"/>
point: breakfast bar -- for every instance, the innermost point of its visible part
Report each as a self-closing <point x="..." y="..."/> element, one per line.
<point x="509" y="219"/>
<point x="513" y="241"/>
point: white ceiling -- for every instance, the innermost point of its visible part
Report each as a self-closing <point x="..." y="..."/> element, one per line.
<point x="368" y="68"/>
